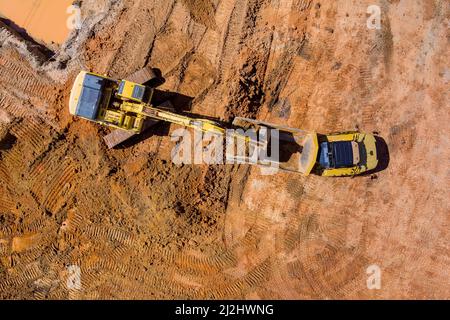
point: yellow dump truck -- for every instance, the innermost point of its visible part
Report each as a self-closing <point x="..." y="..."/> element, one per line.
<point x="126" y="105"/>
<point x="334" y="155"/>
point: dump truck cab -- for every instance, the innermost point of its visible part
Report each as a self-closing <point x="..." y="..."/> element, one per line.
<point x="115" y="103"/>
<point x="346" y="154"/>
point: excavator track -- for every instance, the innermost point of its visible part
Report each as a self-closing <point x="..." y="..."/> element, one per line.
<point x="118" y="136"/>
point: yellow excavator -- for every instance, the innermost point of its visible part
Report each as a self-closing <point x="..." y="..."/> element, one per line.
<point x="126" y="106"/>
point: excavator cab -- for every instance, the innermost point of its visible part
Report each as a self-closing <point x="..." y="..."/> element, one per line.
<point x="86" y="95"/>
<point x="109" y="102"/>
<point x="134" y="92"/>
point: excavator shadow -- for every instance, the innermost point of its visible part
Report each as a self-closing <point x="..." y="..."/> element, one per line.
<point x="42" y="51"/>
<point x="157" y="81"/>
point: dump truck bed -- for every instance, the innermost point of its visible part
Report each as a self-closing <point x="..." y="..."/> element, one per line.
<point x="298" y="149"/>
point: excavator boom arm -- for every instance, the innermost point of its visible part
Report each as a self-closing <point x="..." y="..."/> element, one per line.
<point x="197" y="124"/>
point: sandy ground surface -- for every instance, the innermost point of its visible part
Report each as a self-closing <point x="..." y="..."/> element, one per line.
<point x="138" y="226"/>
<point x="45" y="20"/>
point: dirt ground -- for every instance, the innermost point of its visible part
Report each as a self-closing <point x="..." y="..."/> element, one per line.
<point x="138" y="226"/>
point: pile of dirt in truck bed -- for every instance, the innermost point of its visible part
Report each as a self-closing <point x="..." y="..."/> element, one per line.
<point x="135" y="225"/>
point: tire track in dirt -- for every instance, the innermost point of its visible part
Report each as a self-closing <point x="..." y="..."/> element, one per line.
<point x="108" y="234"/>
<point x="192" y="267"/>
<point x="221" y="46"/>
<point x="232" y="38"/>
<point x="12" y="105"/>
<point x="21" y="276"/>
<point x="286" y="45"/>
<point x="6" y="204"/>
<point x="326" y="260"/>
<point x="134" y="52"/>
<point x="222" y="260"/>
<point x="24" y="91"/>
<point x="213" y="42"/>
<point x="250" y="282"/>
<point x="4" y="174"/>
<point x="32" y="133"/>
<point x="15" y="73"/>
<point x="50" y="181"/>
